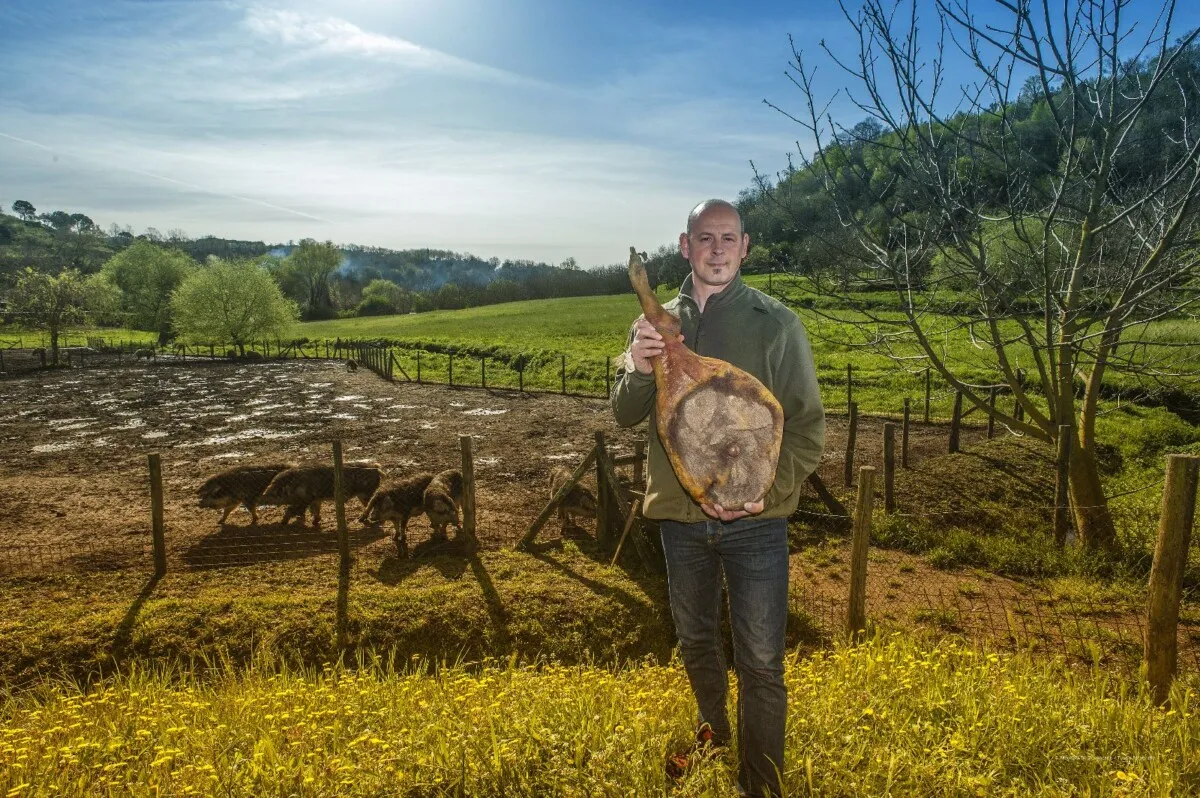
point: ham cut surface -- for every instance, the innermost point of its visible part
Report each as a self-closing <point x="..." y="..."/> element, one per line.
<point x="720" y="426"/>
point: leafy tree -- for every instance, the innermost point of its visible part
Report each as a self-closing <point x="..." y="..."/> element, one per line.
<point x="103" y="300"/>
<point x="49" y="302"/>
<point x="1067" y="205"/>
<point x="233" y="302"/>
<point x="450" y="297"/>
<point x="667" y="265"/>
<point x="383" y="297"/>
<point x="25" y="210"/>
<point x="504" y="291"/>
<point x="309" y="269"/>
<point x="58" y="220"/>
<point x="146" y="274"/>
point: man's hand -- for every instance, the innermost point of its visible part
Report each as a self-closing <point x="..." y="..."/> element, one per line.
<point x="647" y="344"/>
<point x="721" y="514"/>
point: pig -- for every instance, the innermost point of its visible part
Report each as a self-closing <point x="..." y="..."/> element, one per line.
<point x="351" y="366"/>
<point x="578" y="501"/>
<point x="144" y="353"/>
<point x="399" y="500"/>
<point x="304" y="488"/>
<point x="441" y="501"/>
<point x="239" y="485"/>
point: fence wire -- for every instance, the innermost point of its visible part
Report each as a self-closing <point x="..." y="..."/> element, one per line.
<point x="283" y="530"/>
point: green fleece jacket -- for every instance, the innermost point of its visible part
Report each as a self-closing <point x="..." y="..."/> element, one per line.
<point x="759" y="335"/>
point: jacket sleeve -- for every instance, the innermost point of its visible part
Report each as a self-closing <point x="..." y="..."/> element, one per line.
<point x="633" y="393"/>
<point x="794" y="383"/>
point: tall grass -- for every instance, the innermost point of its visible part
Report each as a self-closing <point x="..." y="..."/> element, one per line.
<point x="888" y="718"/>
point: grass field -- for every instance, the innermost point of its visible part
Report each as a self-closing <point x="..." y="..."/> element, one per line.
<point x="580" y="335"/>
<point x="221" y="691"/>
<point x="893" y="717"/>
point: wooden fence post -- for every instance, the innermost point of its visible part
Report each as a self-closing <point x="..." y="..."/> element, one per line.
<point x="530" y="534"/>
<point x="483" y="372"/>
<point x="956" y="422"/>
<point x="604" y="503"/>
<point x="639" y="451"/>
<point x="468" y="472"/>
<point x="564" y="374"/>
<point x="418" y="367"/>
<point x="1166" y="575"/>
<point x="1062" y="497"/>
<point x="889" y="467"/>
<point x="450" y="370"/>
<point x="849" y="384"/>
<point x="521" y="379"/>
<point x="856" y="619"/>
<point x="928" y="391"/>
<point x="851" y="434"/>
<point x="904" y="435"/>
<point x="157" y="533"/>
<point x="607" y="377"/>
<point x="339" y="507"/>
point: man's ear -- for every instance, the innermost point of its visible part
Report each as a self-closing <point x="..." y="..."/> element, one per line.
<point x="683" y="246"/>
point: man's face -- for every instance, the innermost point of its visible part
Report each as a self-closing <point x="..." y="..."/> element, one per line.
<point x="715" y="248"/>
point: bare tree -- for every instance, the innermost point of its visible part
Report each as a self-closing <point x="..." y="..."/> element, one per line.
<point x="1046" y="205"/>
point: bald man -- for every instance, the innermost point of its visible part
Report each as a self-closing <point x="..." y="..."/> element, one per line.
<point x="743" y="549"/>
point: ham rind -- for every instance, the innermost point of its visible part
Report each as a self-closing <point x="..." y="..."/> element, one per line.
<point x="720" y="426"/>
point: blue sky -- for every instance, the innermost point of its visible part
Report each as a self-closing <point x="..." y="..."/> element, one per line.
<point x="523" y="129"/>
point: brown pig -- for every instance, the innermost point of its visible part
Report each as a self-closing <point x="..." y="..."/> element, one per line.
<point x="578" y="502"/>
<point x="306" y="487"/>
<point x="398" y="501"/>
<point x="242" y="485"/>
<point x="442" y="500"/>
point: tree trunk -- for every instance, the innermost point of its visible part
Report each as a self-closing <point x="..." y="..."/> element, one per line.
<point x="1092" y="517"/>
<point x="54" y="345"/>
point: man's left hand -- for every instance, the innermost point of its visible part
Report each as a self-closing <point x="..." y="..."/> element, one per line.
<point x="721" y="514"/>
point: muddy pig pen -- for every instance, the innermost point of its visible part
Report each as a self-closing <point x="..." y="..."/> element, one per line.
<point x="74" y="481"/>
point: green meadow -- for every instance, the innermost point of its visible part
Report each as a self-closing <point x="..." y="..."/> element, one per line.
<point x="577" y="338"/>
<point x="589" y="331"/>
<point x="542" y="344"/>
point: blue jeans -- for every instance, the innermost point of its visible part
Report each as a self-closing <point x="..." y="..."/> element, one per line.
<point x="752" y="554"/>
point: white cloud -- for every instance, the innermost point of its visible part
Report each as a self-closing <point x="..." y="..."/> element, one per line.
<point x="508" y="195"/>
<point x="338" y="37"/>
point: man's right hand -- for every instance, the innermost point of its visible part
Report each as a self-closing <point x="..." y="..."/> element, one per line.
<point x="647" y="344"/>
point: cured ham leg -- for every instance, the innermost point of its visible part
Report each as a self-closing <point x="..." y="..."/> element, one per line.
<point x="720" y="426"/>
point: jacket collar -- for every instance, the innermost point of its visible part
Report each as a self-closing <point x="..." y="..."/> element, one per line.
<point x="736" y="289"/>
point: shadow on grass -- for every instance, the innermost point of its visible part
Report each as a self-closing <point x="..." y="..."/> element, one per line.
<point x="654" y="586"/>
<point x="124" y="632"/>
<point x="497" y="614"/>
<point x="251" y="545"/>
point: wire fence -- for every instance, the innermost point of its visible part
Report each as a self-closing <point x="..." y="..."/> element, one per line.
<point x="113" y="529"/>
<point x="421" y="363"/>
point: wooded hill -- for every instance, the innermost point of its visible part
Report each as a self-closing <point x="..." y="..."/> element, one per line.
<point x="416" y="279"/>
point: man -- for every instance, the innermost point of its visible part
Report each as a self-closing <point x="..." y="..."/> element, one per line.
<point x="722" y="317"/>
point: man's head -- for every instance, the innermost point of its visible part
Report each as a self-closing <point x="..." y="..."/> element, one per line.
<point x="715" y="245"/>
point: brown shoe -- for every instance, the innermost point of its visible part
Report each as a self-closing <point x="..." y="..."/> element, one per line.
<point x="706" y="746"/>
